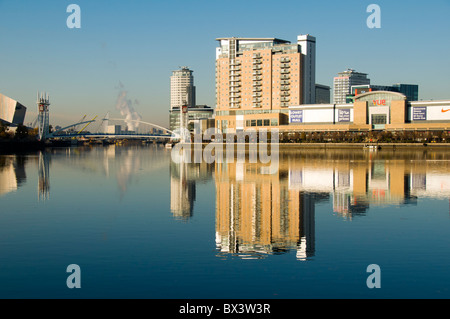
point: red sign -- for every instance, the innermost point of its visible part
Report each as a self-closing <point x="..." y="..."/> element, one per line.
<point x="379" y="102"/>
<point x="185" y="108"/>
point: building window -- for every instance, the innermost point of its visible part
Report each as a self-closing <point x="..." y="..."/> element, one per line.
<point x="379" y="119"/>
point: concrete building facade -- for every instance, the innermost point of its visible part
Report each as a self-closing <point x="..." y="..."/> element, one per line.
<point x="343" y="83"/>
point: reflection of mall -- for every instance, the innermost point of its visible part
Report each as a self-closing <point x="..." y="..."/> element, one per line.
<point x="258" y="215"/>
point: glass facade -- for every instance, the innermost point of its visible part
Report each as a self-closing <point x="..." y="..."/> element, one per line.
<point x="193" y="114"/>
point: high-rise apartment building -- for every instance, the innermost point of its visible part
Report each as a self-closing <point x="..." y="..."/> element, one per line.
<point x="257" y="79"/>
<point x="308" y="49"/>
<point x="344" y="82"/>
<point x="182" y="89"/>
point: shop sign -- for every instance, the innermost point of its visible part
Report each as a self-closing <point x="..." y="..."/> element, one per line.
<point x="295" y="116"/>
<point x="419" y="113"/>
<point x="344" y="115"/>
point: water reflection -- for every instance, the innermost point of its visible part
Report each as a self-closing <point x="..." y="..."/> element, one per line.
<point x="258" y="215"/>
<point x="12" y="173"/>
<point x="183" y="179"/>
<point x="44" y="176"/>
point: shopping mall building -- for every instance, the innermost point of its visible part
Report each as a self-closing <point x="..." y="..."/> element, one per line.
<point x="269" y="83"/>
<point x="378" y="110"/>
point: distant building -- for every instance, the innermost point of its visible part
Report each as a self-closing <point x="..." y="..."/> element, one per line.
<point x="322" y="94"/>
<point x="11" y="112"/>
<point x="411" y="91"/>
<point x="343" y="83"/>
<point x="182" y="89"/>
<point x="114" y="129"/>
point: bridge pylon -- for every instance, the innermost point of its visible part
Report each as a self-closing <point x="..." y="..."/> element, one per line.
<point x="43" y="102"/>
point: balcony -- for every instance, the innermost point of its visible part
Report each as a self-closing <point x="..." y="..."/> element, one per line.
<point x="257" y="67"/>
<point x="285" y="71"/>
<point x="235" y="84"/>
<point x="257" y="73"/>
<point x="285" y="99"/>
<point x="257" y="89"/>
<point x="257" y="100"/>
<point x="285" y="93"/>
<point x="257" y="61"/>
<point x="257" y="94"/>
<point x="284" y="104"/>
<point x="256" y="105"/>
<point x="285" y="82"/>
<point x="256" y="55"/>
<point x="284" y="65"/>
<point x="257" y="78"/>
<point x="285" y="88"/>
<point x="284" y="60"/>
<point x="257" y="83"/>
<point x="285" y="77"/>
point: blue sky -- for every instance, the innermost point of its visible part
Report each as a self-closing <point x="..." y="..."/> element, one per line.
<point x="137" y="44"/>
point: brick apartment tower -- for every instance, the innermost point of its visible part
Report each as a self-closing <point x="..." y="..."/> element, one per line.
<point x="257" y="79"/>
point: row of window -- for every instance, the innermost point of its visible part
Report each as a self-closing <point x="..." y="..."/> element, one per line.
<point x="262" y="122"/>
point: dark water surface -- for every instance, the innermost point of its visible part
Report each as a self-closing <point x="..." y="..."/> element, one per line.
<point x="141" y="226"/>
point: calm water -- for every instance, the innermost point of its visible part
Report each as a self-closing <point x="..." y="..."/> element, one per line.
<point x="141" y="226"/>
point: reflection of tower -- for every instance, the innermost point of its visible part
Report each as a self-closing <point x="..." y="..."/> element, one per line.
<point x="44" y="176"/>
<point x="43" y="103"/>
<point x="257" y="215"/>
<point x="184" y="118"/>
<point x="307" y="247"/>
<point x="182" y="191"/>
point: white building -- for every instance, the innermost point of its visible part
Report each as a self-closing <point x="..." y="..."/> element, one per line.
<point x="308" y="49"/>
<point x="344" y="82"/>
<point x="182" y="89"/>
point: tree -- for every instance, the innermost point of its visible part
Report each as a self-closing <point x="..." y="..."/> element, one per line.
<point x="21" y="132"/>
<point x="4" y="130"/>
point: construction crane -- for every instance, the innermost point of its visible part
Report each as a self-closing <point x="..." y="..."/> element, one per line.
<point x="81" y="120"/>
<point x="93" y="120"/>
